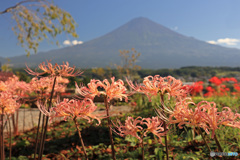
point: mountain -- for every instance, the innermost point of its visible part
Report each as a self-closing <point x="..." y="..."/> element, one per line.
<point x="159" y="46"/>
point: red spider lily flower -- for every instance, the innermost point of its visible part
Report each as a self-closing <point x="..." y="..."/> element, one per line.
<point x="211" y="92"/>
<point x="224" y="90"/>
<point x="233" y="79"/>
<point x="71" y="109"/>
<point x="216" y="81"/>
<point x="197" y="88"/>
<point x="56" y="70"/>
<point x="163" y="85"/>
<point x="155" y="126"/>
<point x="237" y="86"/>
<point x="116" y="89"/>
<point x="229" y="79"/>
<point x="132" y="127"/>
<point x="8" y="104"/>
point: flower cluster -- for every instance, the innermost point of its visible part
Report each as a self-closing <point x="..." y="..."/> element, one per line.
<point x="204" y="115"/>
<point x="8" y="104"/>
<point x="161" y="85"/>
<point x="44" y="84"/>
<point x="135" y="127"/>
<point x="116" y="89"/>
<point x="197" y="88"/>
<point x="71" y="109"/>
<point x="56" y="70"/>
<point x="218" y="87"/>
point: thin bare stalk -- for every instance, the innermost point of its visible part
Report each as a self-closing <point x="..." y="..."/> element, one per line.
<point x="46" y="123"/>
<point x="142" y="148"/>
<point x="38" y="130"/>
<point x="41" y="136"/>
<point x="36" y="141"/>
<point x="2" y="136"/>
<point x="165" y="127"/>
<point x="10" y="145"/>
<point x="109" y="128"/>
<point x="13" y="123"/>
<point x="1" y="141"/>
<point x="80" y="137"/>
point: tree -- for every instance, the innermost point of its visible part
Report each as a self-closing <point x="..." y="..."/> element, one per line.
<point x="128" y="65"/>
<point x="38" y="19"/>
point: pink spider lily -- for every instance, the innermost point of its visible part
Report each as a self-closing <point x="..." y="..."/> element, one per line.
<point x="182" y="114"/>
<point x="44" y="84"/>
<point x="71" y="109"/>
<point x="131" y="127"/>
<point x="16" y="87"/>
<point x="91" y="91"/>
<point x="163" y="85"/>
<point x="8" y="104"/>
<point x="3" y="86"/>
<point x="155" y="126"/>
<point x="211" y="119"/>
<point x="134" y="127"/>
<point x="116" y="89"/>
<point x="56" y="70"/>
<point x="205" y="115"/>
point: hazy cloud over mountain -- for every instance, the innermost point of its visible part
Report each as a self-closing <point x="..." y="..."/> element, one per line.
<point x="226" y="41"/>
<point x="70" y="43"/>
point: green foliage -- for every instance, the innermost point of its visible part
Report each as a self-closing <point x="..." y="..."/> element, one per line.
<point x="37" y="20"/>
<point x="133" y="140"/>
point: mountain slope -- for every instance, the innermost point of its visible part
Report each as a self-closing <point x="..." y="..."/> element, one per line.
<point x="160" y="47"/>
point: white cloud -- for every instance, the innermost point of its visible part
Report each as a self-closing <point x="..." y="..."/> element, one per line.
<point x="66" y="42"/>
<point x="75" y="42"/>
<point x="70" y="43"/>
<point x="212" y="42"/>
<point x="226" y="41"/>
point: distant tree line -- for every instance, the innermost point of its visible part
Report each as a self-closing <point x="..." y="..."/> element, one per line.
<point x="187" y="74"/>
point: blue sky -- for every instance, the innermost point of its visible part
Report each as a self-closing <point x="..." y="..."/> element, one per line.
<point x="215" y="21"/>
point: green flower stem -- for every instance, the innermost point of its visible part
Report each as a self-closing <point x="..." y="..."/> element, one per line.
<point x="80" y="137"/>
<point x="109" y="127"/>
